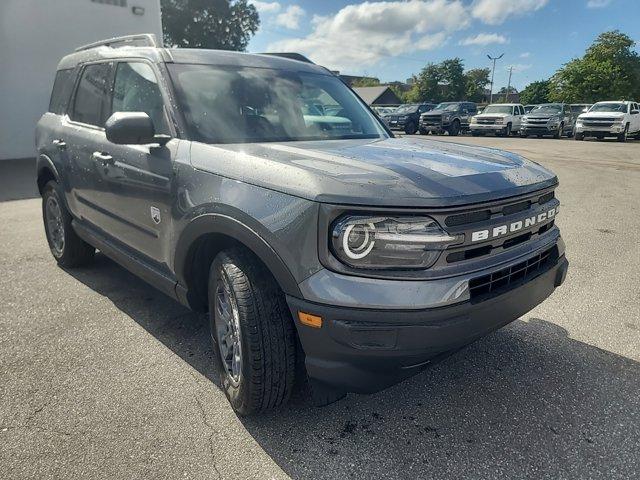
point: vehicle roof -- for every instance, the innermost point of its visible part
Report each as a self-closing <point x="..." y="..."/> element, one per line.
<point x="189" y="56"/>
<point x="504" y="104"/>
<point x="615" y="101"/>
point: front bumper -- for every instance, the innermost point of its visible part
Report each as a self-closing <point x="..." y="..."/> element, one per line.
<point x="608" y="130"/>
<point x="366" y="350"/>
<point x="537" y="129"/>
<point x="495" y="127"/>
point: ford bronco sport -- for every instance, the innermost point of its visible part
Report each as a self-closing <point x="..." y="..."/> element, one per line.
<point x="323" y="249"/>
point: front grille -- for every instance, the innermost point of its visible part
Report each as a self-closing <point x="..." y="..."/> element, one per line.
<point x="603" y="122"/>
<point x="537" y="121"/>
<point x="431" y="119"/>
<point x="513" y="276"/>
<point x="488" y="120"/>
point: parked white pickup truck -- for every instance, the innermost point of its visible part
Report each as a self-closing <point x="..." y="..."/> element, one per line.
<point x="609" y="119"/>
<point x="499" y="118"/>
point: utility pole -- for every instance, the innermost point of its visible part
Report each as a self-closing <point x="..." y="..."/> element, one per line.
<point x="506" y="97"/>
<point x="492" y="74"/>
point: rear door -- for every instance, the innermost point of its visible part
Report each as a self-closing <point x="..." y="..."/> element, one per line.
<point x="137" y="180"/>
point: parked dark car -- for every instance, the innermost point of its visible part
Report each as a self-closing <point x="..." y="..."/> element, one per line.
<point x="450" y="117"/>
<point x="263" y="192"/>
<point x="553" y="119"/>
<point x="407" y="117"/>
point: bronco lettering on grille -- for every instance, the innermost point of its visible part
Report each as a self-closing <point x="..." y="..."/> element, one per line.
<point x="500" y="230"/>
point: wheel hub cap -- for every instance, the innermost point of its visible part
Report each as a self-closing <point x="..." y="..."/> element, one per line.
<point x="55" y="225"/>
<point x="227" y="323"/>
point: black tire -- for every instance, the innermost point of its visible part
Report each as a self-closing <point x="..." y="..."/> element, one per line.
<point x="66" y="246"/>
<point x="423" y="131"/>
<point x="558" y="133"/>
<point x="410" y="128"/>
<point x="579" y="136"/>
<point x="524" y="135"/>
<point x="454" y="129"/>
<point x="475" y="134"/>
<point x="507" y="130"/>
<point x="266" y="333"/>
<point x="622" y="137"/>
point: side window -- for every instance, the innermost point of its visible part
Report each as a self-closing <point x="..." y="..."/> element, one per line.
<point x="136" y="90"/>
<point x="61" y="90"/>
<point x="92" y="95"/>
<point x="422" y="108"/>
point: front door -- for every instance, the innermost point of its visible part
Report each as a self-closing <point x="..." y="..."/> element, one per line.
<point x="138" y="179"/>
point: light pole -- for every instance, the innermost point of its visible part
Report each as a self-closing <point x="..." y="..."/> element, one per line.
<point x="506" y="98"/>
<point x="492" y="74"/>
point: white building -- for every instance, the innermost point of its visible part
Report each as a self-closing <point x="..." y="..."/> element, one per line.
<point x="34" y="35"/>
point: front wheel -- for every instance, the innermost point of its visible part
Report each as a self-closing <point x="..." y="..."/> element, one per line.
<point x="67" y="247"/>
<point x="252" y="332"/>
<point x="622" y="137"/>
<point x="579" y="136"/>
<point x="558" y="132"/>
<point x="454" y="129"/>
<point x="410" y="128"/>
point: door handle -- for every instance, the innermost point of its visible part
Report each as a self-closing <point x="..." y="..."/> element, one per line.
<point x="58" y="142"/>
<point x="103" y="158"/>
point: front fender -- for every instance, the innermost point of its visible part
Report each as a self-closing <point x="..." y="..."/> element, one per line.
<point x="215" y="223"/>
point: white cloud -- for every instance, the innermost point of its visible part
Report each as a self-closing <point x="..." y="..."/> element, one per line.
<point x="363" y="34"/>
<point x="494" y="12"/>
<point x="482" y="39"/>
<point x="598" y="3"/>
<point x="266" y="7"/>
<point x="291" y="17"/>
<point x="525" y="55"/>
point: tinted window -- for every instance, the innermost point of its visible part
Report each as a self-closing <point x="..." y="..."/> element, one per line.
<point x="229" y="104"/>
<point x="92" y="95"/>
<point x="61" y="91"/>
<point x="136" y="90"/>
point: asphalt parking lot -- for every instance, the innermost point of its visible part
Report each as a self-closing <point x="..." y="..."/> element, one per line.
<point x="103" y="377"/>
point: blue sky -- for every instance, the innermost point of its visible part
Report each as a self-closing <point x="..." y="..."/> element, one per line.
<point x="394" y="39"/>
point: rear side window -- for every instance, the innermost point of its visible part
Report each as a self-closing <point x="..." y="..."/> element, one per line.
<point x="61" y="91"/>
<point x="93" y="94"/>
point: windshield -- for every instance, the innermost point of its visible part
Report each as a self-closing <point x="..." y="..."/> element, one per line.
<point x="498" y="109"/>
<point x="452" y="107"/>
<point x="577" y="109"/>
<point x="238" y="105"/>
<point x="609" y="107"/>
<point x="404" y="109"/>
<point x="551" y="108"/>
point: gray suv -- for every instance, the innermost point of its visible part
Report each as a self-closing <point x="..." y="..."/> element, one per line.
<point x="325" y="251"/>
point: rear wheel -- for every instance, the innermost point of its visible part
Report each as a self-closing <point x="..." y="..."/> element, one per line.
<point x="67" y="247"/>
<point x="252" y="332"/>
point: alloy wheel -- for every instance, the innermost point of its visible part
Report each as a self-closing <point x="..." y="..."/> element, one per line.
<point x="228" y="335"/>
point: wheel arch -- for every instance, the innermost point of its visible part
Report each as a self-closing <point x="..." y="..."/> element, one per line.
<point x="203" y="238"/>
<point x="45" y="171"/>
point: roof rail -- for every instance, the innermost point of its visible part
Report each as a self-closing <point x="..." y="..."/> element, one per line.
<point x="290" y="55"/>
<point x="140" y="40"/>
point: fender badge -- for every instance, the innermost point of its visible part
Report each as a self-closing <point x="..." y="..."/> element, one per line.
<point x="155" y="215"/>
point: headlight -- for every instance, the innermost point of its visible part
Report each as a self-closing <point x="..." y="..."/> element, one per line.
<point x="474" y="120"/>
<point x="554" y="120"/>
<point x="499" y="120"/>
<point x="525" y="119"/>
<point x="389" y="242"/>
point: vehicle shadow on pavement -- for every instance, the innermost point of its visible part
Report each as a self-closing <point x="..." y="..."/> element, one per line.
<point x="524" y="402"/>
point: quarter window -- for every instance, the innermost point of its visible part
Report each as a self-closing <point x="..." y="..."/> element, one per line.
<point x="61" y="91"/>
<point x="136" y="90"/>
<point x="91" y="100"/>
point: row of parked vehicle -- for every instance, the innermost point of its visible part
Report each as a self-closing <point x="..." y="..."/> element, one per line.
<point x="620" y="119"/>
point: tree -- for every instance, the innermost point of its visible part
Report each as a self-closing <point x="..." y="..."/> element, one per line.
<point x="217" y="24"/>
<point x="609" y="69"/>
<point x="476" y="80"/>
<point x="535" y="92"/>
<point x="453" y="79"/>
<point x="365" y="82"/>
<point x="427" y="85"/>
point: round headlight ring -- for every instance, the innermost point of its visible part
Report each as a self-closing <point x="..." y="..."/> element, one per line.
<point x="367" y="244"/>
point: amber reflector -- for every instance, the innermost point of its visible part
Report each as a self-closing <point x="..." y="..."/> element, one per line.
<point x="310" y="320"/>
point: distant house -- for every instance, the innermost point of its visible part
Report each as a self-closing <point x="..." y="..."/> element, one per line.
<point x="381" y="95"/>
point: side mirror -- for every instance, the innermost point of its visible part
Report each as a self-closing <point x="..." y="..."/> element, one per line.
<point x="132" y="128"/>
<point x="635" y="112"/>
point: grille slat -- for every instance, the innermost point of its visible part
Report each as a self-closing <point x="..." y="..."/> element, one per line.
<point x="511" y="276"/>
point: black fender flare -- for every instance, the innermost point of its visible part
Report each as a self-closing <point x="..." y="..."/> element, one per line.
<point x="216" y="223"/>
<point x="45" y="163"/>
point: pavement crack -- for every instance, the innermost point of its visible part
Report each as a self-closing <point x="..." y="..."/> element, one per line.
<point x="203" y="415"/>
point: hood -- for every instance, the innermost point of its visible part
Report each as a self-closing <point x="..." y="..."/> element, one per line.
<point x="601" y="115"/>
<point x="490" y="115"/>
<point x="438" y="112"/>
<point x="379" y="172"/>
<point x="543" y="115"/>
